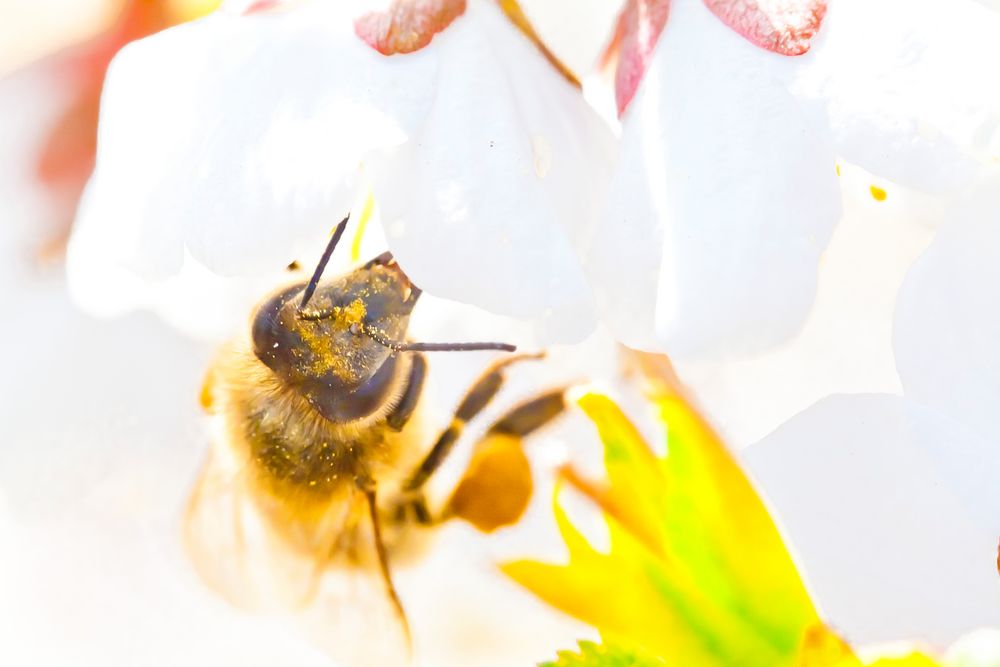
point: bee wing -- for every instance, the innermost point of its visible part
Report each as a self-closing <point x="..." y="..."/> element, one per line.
<point x="228" y="545"/>
<point x="354" y="620"/>
<point x="340" y="602"/>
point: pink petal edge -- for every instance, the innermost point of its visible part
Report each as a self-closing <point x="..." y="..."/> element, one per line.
<point x="261" y="6"/>
<point x="407" y="25"/>
<point x="640" y="23"/>
<point x="782" y="26"/>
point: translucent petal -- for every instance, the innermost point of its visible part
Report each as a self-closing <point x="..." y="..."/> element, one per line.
<point x="239" y="138"/>
<point x="194" y="300"/>
<point x="724" y="200"/>
<point x="239" y="141"/>
<point x="906" y="88"/>
<point x="894" y="512"/>
<point x="499" y="190"/>
<point x="845" y="344"/>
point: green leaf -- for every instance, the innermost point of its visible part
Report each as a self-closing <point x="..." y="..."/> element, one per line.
<point x="604" y="655"/>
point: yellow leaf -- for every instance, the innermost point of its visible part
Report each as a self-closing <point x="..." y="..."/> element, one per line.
<point x="823" y="648"/>
<point x="912" y="660"/>
<point x="609" y="592"/>
<point x="697" y="571"/>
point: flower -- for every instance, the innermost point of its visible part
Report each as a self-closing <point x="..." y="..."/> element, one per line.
<point x="237" y="142"/>
<point x="722" y="204"/>
<point x="726" y="190"/>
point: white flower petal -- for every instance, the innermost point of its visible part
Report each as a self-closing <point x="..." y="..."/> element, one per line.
<point x="238" y="142"/>
<point x="845" y="344"/>
<point x="495" y="193"/>
<point x="947" y="326"/>
<point x="719" y="162"/>
<point x="239" y="138"/>
<point x="894" y="512"/>
<point x="195" y="300"/>
<point x="908" y="88"/>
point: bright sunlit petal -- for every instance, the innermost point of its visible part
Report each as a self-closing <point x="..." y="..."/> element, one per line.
<point x="239" y="138"/>
<point x="907" y="88"/>
<point x="725" y="198"/>
<point x="870" y="491"/>
<point x="495" y="188"/>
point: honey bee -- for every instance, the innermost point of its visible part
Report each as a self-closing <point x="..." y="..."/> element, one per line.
<point x="316" y="471"/>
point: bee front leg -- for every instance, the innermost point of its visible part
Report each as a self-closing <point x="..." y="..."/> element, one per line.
<point x="401" y="414"/>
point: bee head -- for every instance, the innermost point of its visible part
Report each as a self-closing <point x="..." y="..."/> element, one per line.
<point x="336" y="343"/>
<point x="336" y="350"/>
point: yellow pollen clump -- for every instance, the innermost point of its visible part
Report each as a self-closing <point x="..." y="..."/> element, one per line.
<point x="352" y="314"/>
<point x="878" y="194"/>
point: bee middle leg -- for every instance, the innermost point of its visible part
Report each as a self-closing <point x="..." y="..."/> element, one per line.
<point x="383" y="559"/>
<point x="475" y="400"/>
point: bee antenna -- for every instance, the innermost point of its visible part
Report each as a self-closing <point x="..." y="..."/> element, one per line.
<point x="397" y="346"/>
<point x="318" y="273"/>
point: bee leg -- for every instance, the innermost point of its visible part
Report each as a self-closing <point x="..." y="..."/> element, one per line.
<point x="477" y="398"/>
<point x="383" y="559"/>
<point x="497" y="486"/>
<point x="531" y="415"/>
<point x="407" y="404"/>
